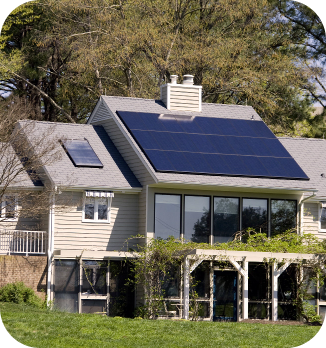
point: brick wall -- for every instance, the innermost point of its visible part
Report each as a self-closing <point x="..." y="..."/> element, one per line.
<point x="31" y="270"/>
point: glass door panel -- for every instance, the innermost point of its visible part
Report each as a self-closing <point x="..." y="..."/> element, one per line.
<point x="225" y="295"/>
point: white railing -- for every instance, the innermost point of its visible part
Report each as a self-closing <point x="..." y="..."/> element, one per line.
<point x="22" y="242"/>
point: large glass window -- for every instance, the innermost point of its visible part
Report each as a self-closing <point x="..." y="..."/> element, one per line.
<point x="226" y="218"/>
<point x="283" y="215"/>
<point x="197" y="219"/>
<point x="167" y="216"/>
<point x="254" y="214"/>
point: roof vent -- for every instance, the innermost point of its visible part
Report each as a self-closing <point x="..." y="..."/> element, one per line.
<point x="182" y="97"/>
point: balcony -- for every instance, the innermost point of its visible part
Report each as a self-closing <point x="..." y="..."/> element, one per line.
<point x="23" y="242"/>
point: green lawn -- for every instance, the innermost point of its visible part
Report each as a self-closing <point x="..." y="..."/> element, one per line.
<point x="41" y="328"/>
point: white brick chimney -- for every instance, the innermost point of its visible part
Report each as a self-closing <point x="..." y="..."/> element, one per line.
<point x="182" y="97"/>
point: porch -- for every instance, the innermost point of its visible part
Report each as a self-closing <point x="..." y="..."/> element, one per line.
<point x="23" y="242"/>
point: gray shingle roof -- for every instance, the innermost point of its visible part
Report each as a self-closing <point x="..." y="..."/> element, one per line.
<point x="10" y="166"/>
<point x="310" y="155"/>
<point x="115" y="173"/>
<point x="208" y="110"/>
<point x="156" y="106"/>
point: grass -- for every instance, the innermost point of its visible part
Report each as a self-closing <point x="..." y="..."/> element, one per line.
<point x="42" y="328"/>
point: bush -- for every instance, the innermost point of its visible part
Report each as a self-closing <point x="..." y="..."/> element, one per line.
<point x="20" y="293"/>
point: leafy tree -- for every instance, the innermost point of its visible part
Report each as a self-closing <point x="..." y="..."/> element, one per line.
<point x="63" y="55"/>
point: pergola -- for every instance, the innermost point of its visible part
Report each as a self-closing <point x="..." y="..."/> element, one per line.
<point x="240" y="260"/>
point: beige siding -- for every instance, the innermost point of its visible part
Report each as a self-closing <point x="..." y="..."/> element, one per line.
<point x="101" y="113"/>
<point x="23" y="223"/>
<point x="311" y="219"/>
<point x="181" y="97"/>
<point x="71" y="233"/>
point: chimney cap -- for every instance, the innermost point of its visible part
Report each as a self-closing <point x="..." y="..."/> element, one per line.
<point x="188" y="80"/>
<point x="174" y="79"/>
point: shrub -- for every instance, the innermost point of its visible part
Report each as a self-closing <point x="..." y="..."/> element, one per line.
<point x="20" y="293"/>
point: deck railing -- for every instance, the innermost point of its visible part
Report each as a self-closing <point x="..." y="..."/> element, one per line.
<point x="22" y="242"/>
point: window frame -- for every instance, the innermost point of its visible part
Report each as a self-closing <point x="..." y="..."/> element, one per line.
<point x="320" y="208"/>
<point x="283" y="199"/>
<point x="96" y="220"/>
<point x="3" y="208"/>
<point x="181" y="205"/>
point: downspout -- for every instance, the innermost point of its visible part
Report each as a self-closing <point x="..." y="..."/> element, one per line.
<point x="50" y="248"/>
<point x="301" y="211"/>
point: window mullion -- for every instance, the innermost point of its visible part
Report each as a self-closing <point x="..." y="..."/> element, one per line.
<point x="95" y="209"/>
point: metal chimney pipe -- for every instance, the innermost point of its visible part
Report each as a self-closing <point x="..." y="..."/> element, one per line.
<point x="188" y="80"/>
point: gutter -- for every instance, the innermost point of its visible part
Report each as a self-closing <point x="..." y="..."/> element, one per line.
<point x="301" y="211"/>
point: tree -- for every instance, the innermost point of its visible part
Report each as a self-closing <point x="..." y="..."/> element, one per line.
<point x="22" y="193"/>
<point x="63" y="55"/>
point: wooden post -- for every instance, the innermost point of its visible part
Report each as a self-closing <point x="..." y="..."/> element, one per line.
<point x="274" y="292"/>
<point x="245" y="291"/>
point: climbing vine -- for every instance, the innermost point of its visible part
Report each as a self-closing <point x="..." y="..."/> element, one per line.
<point x="159" y="260"/>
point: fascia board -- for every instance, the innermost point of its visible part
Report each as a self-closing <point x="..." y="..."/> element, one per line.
<point x="97" y="188"/>
<point x="99" y="102"/>
<point x="234" y="187"/>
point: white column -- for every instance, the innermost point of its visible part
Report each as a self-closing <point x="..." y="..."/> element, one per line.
<point x="186" y="274"/>
<point x="245" y="291"/>
<point x="275" y="274"/>
<point x="274" y="292"/>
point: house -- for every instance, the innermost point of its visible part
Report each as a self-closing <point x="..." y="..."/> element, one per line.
<point x="177" y="167"/>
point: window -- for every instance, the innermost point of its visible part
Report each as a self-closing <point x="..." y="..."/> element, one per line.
<point x="254" y="214"/>
<point x="97" y="206"/>
<point x="283" y="215"/>
<point x="322" y="217"/>
<point x="9" y="206"/>
<point x="167" y="216"/>
<point x="197" y="219"/>
<point x="226" y="218"/>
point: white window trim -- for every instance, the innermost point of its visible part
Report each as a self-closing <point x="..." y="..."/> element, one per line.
<point x="320" y="207"/>
<point x="96" y="198"/>
<point x="3" y="208"/>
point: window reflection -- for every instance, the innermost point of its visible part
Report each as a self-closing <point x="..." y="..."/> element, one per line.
<point x="283" y="215"/>
<point x="226" y="218"/>
<point x="167" y="216"/>
<point x="197" y="219"/>
<point x="89" y="208"/>
<point x="254" y="214"/>
<point x="323" y="218"/>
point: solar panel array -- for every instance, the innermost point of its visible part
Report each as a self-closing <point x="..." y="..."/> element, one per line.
<point x="208" y="145"/>
<point x="81" y="153"/>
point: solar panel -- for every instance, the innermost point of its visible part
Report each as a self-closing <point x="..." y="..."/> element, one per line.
<point x="81" y="153"/>
<point x="209" y="145"/>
